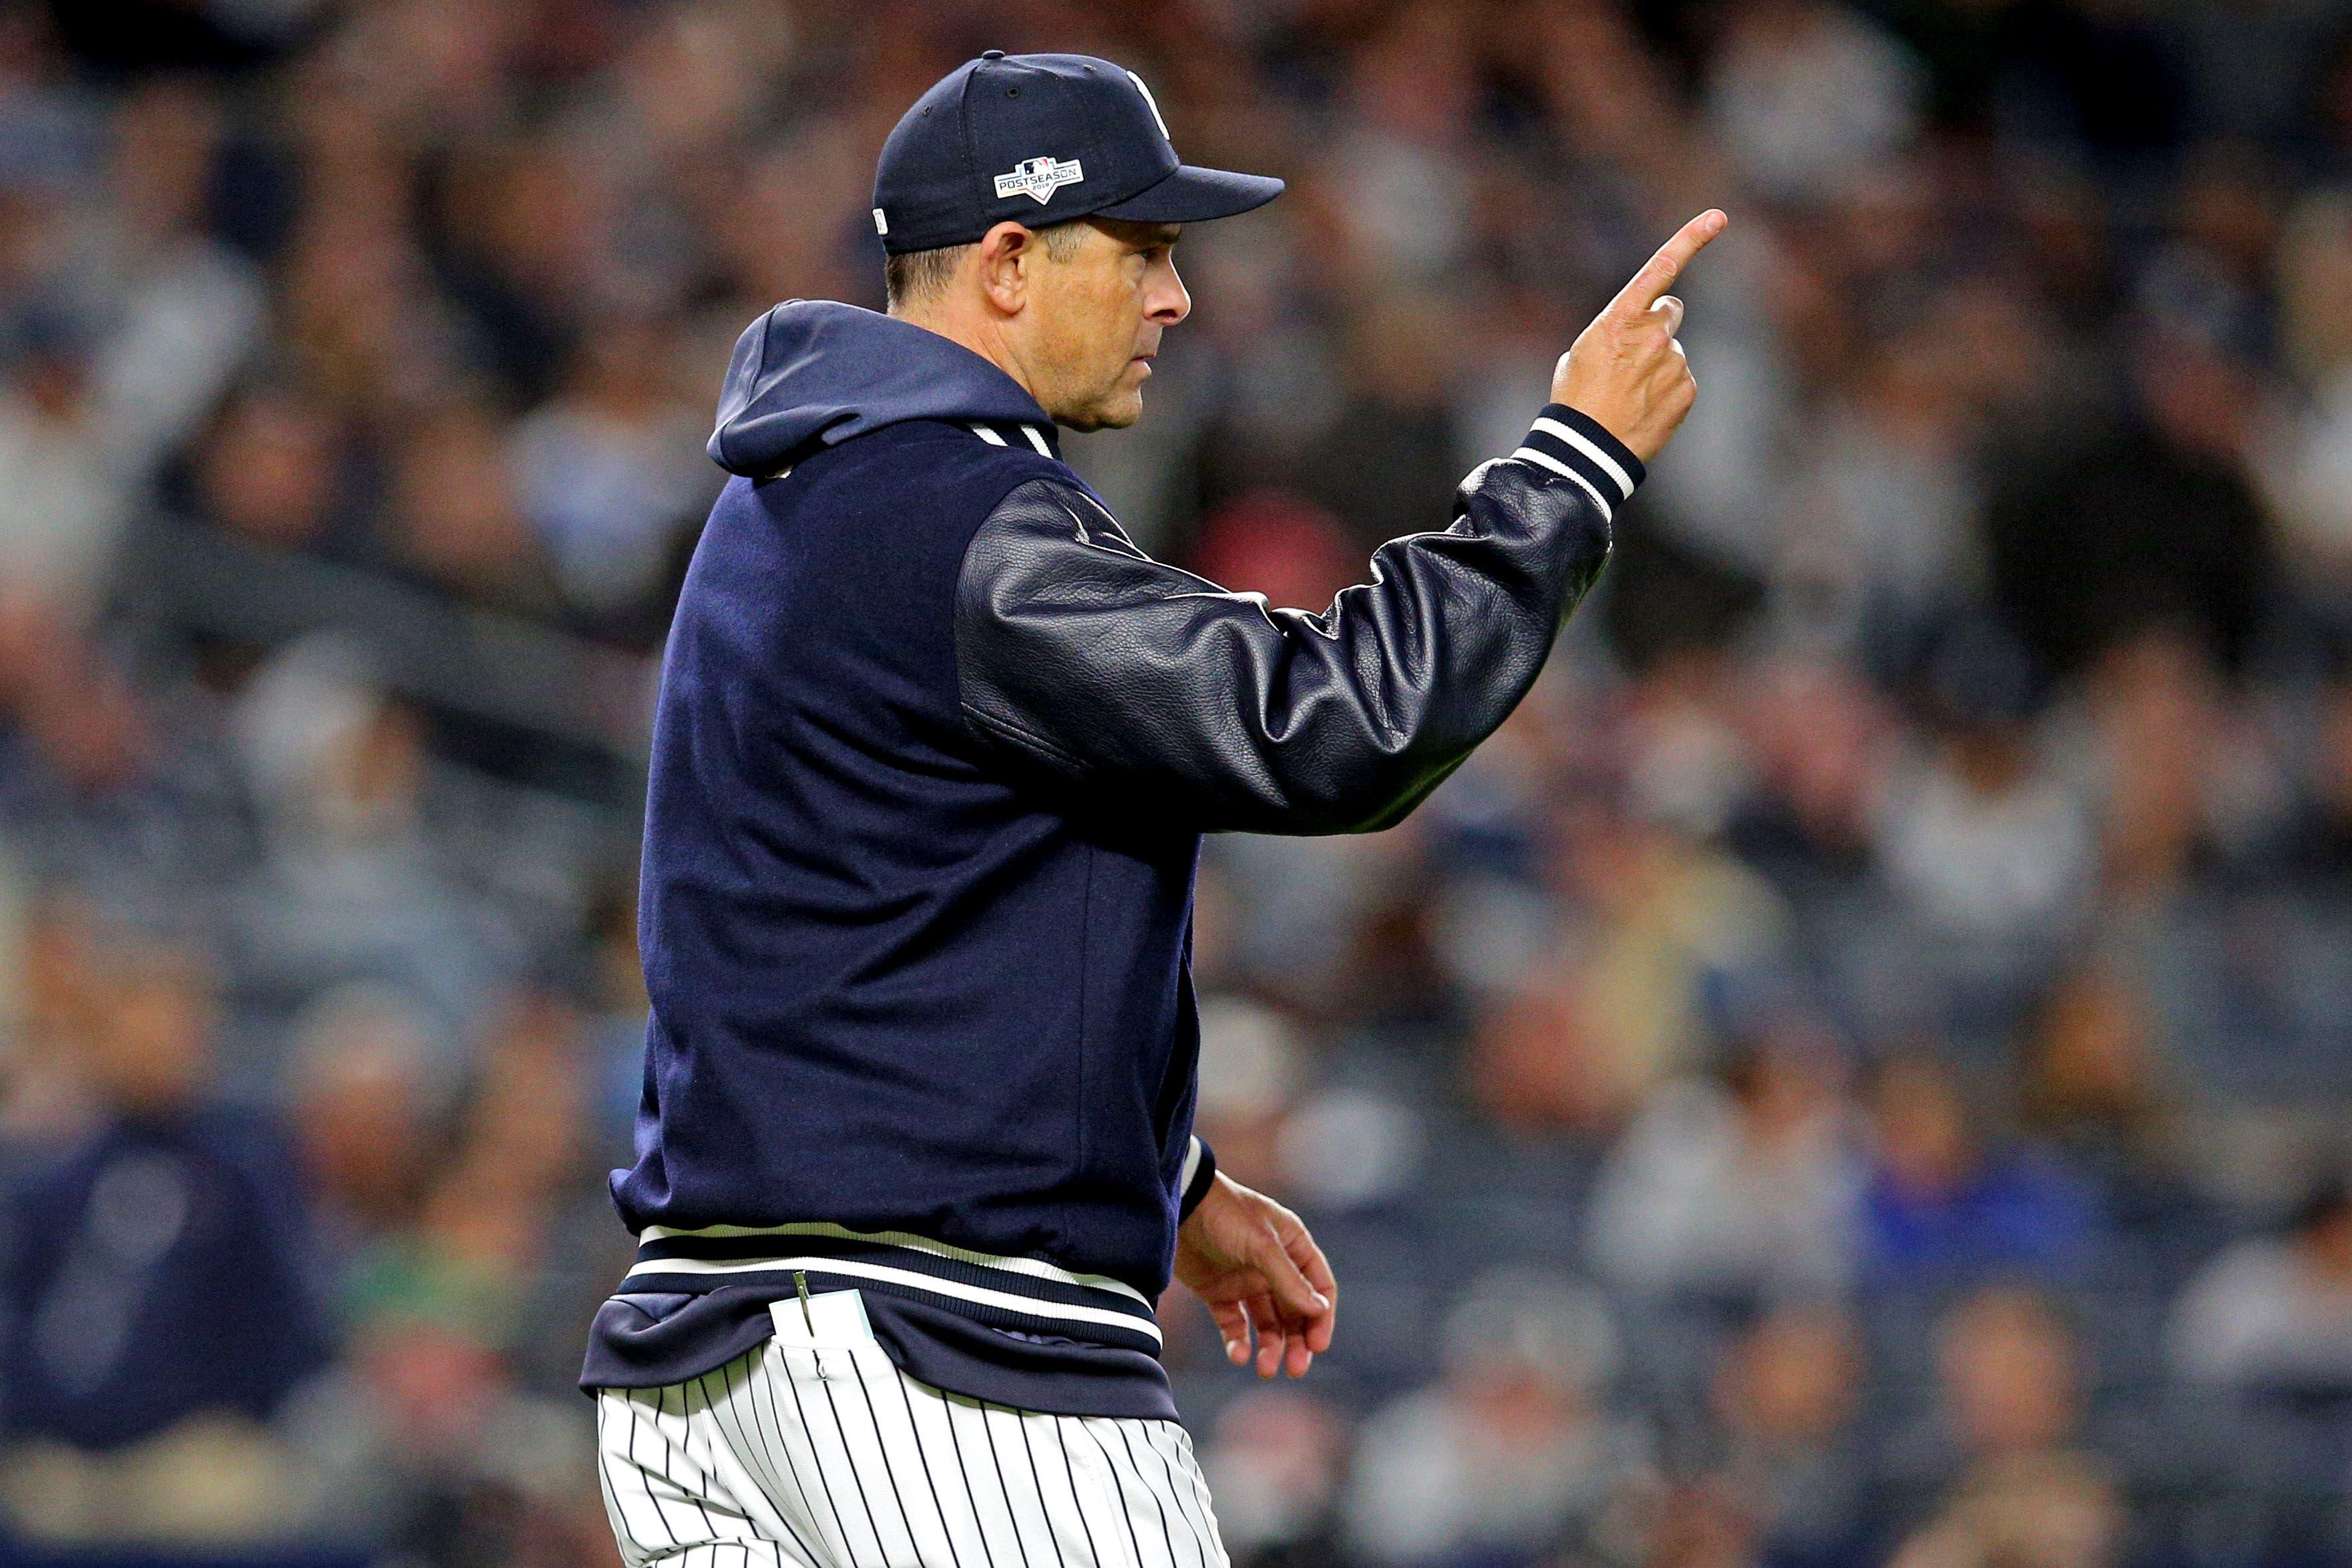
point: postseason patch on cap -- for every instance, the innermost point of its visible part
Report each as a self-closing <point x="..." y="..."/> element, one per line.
<point x="1034" y="117"/>
<point x="1039" y="177"/>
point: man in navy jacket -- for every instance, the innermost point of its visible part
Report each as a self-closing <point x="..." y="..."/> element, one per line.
<point x="935" y="747"/>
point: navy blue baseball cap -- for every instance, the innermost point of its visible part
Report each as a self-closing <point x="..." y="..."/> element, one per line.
<point x="1041" y="139"/>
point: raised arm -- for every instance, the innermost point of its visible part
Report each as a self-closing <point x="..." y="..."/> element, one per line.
<point x="1095" y="663"/>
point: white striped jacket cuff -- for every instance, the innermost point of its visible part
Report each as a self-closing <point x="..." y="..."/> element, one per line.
<point x="1200" y="1170"/>
<point x="1576" y="448"/>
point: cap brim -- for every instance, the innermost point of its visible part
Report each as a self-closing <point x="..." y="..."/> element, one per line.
<point x="1195" y="195"/>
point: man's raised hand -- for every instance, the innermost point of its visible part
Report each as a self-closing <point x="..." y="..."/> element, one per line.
<point x="1626" y="370"/>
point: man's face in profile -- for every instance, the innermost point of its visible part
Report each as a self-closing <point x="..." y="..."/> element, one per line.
<point x="1098" y="317"/>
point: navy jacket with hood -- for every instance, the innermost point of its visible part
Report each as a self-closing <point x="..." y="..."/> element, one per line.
<point x="934" y="749"/>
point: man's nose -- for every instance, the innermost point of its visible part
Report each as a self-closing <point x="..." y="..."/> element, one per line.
<point x="1170" y="303"/>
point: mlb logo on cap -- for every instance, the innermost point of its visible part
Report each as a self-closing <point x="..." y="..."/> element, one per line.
<point x="1039" y="177"/>
<point x="1006" y="136"/>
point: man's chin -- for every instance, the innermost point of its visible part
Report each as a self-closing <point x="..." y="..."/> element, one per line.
<point x="1116" y="413"/>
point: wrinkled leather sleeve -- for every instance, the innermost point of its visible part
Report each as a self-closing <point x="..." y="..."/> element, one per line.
<point x="1153" y="689"/>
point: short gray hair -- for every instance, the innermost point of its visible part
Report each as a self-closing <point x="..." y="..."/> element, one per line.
<point x="919" y="275"/>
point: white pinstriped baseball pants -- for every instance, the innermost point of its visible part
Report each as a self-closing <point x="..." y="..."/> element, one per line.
<point x="815" y="1450"/>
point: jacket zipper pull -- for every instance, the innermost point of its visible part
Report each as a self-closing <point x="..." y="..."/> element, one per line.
<point x="800" y="1280"/>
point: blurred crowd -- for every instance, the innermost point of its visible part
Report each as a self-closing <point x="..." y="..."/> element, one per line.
<point x="1855" y="1073"/>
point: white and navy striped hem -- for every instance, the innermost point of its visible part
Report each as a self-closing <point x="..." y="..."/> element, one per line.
<point x="1576" y="448"/>
<point x="1023" y="1294"/>
<point x="1017" y="434"/>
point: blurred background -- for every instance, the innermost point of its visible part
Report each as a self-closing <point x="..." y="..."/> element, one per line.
<point x="1855" y="1073"/>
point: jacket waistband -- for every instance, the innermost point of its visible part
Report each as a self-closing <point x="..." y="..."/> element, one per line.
<point x="1023" y="1294"/>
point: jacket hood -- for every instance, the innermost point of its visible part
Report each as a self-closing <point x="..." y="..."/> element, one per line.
<point x="813" y="373"/>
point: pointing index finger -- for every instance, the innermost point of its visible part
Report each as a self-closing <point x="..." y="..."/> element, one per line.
<point x="1658" y="274"/>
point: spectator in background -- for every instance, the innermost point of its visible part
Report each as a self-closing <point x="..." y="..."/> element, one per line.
<point x="426" y="1437"/>
<point x="1738" y="1186"/>
<point x="2026" y="1497"/>
<point x="2273" y="1315"/>
<point x="610" y="472"/>
<point x="1401" y="372"/>
<point x="63" y="502"/>
<point x="2310" y="451"/>
<point x="420" y="1439"/>
<point x="1809" y="98"/>
<point x="525" y="258"/>
<point x="1785" y="1395"/>
<point x="2314" y="853"/>
<point x="1544" y="1060"/>
<point x="2151" y="523"/>
<point x="101" y="784"/>
<point x="1991" y="850"/>
<point x="367" y="1088"/>
<point x="2184" y="784"/>
<point x="1880" y="540"/>
<point x="456" y="524"/>
<point x="1280" y="386"/>
<point x="159" y="1310"/>
<point x="1277" y="1459"/>
<point x="271" y="470"/>
<point x="359" y="321"/>
<point x="51" y="955"/>
<point x="1252" y="1061"/>
<point x="1944" y="1204"/>
<point x="181" y="310"/>
<point x="1514" y="1456"/>
<point x="1656" y="924"/>
<point x="1701" y="1525"/>
<point x="136" y="319"/>
<point x="1820" y="741"/>
<point x="2095" y="1085"/>
<point x="353" y="885"/>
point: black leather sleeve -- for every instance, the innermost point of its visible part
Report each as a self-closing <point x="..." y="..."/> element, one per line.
<point x="1151" y="688"/>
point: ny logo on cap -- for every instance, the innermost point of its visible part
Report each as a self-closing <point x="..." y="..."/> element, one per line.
<point x="1039" y="177"/>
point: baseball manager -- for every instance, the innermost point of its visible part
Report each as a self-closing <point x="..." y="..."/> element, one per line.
<point x="935" y="747"/>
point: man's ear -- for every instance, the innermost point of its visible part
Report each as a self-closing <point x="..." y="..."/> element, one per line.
<point x="1006" y="254"/>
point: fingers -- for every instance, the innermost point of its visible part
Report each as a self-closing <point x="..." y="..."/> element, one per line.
<point x="1273" y="1342"/>
<point x="1316" y="1268"/>
<point x="1270" y="1254"/>
<point x="1233" y="1326"/>
<point x="1257" y="1318"/>
<point x="1306" y="1314"/>
<point x="1309" y="1256"/>
<point x="1669" y="310"/>
<point x="1275" y="1304"/>
<point x="1281" y="1348"/>
<point x="1658" y="274"/>
<point x="1299" y="1357"/>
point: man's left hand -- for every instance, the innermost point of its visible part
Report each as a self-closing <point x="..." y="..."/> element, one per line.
<point x="1253" y="1262"/>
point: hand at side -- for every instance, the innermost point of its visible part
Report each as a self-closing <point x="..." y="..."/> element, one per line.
<point x="1253" y="1262"/>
